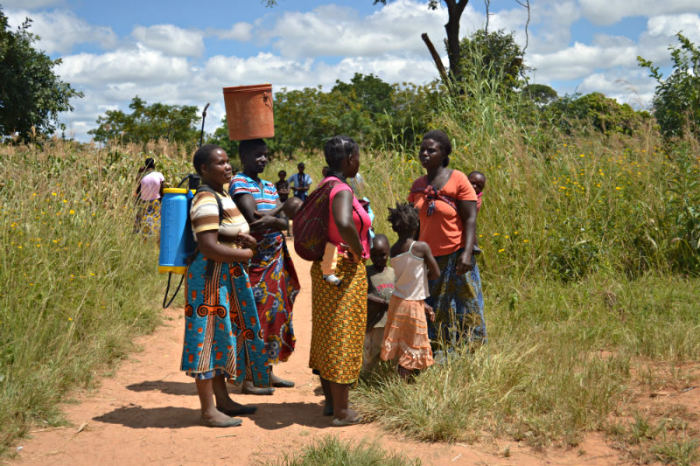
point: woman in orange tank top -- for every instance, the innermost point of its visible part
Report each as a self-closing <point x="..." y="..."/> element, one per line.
<point x="446" y="204"/>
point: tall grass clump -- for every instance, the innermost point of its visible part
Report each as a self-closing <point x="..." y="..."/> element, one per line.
<point x="76" y="284"/>
<point x="590" y="270"/>
<point x="329" y="451"/>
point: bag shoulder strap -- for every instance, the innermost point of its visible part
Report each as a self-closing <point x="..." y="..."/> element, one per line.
<point x="207" y="189"/>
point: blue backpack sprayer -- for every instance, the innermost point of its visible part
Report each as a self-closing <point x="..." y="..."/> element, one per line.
<point x="177" y="244"/>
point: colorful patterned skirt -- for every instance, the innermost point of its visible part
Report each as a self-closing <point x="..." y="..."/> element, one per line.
<point x="458" y="303"/>
<point x="275" y="287"/>
<point x="148" y="217"/>
<point x="222" y="333"/>
<point x="406" y="334"/>
<point x="338" y="321"/>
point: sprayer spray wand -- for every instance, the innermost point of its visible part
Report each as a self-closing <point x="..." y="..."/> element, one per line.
<point x="193" y="184"/>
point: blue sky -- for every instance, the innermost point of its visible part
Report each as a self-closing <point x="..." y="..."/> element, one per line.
<point x="181" y="52"/>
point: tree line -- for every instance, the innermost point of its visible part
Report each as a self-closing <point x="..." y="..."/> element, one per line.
<point x="376" y="113"/>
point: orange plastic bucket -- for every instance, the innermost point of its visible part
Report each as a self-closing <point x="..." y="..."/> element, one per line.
<point x="249" y="112"/>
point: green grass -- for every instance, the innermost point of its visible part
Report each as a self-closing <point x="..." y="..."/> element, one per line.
<point x="76" y="284"/>
<point x="557" y="364"/>
<point x="590" y="274"/>
<point x="666" y="437"/>
<point x="329" y="451"/>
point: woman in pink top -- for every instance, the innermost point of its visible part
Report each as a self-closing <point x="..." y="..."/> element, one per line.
<point x="446" y="204"/>
<point x="339" y="312"/>
<point x="149" y="193"/>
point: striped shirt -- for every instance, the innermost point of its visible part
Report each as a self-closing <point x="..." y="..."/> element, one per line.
<point x="204" y="214"/>
<point x="265" y="199"/>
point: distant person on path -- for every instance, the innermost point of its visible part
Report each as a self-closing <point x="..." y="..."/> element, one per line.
<point x="446" y="204"/>
<point x="478" y="181"/>
<point x="149" y="193"/>
<point x="406" y="337"/>
<point x="339" y="313"/>
<point x="380" y="287"/>
<point x="300" y="182"/>
<point x="282" y="186"/>
<point x="221" y="327"/>
<point x="272" y="273"/>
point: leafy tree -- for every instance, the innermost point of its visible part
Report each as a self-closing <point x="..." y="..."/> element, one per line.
<point x="373" y="93"/>
<point x="221" y="139"/>
<point x="31" y="94"/>
<point x="604" y="114"/>
<point x="677" y="98"/>
<point x="494" y="58"/>
<point x="176" y="123"/>
<point x="541" y="94"/>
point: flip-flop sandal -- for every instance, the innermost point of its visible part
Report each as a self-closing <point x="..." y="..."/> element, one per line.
<point x="230" y="422"/>
<point x="345" y="421"/>
<point x="257" y="390"/>
<point x="281" y="383"/>
<point x="239" y="410"/>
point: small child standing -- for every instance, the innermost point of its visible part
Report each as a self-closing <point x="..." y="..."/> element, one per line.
<point x="406" y="331"/>
<point x="478" y="181"/>
<point x="282" y="186"/>
<point x="380" y="287"/>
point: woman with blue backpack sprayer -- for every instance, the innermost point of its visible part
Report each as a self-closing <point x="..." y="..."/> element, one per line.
<point x="220" y="309"/>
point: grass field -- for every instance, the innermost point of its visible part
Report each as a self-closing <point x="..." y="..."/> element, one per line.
<point x="590" y="277"/>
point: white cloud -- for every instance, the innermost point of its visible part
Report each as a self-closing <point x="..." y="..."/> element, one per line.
<point x="170" y="39"/>
<point x="607" y="12"/>
<point x="240" y="31"/>
<point x="580" y="60"/>
<point x="138" y="65"/>
<point x="264" y="67"/>
<point x="669" y="25"/>
<point x="331" y="30"/>
<point x="630" y="86"/>
<point x="551" y="24"/>
<point x="60" y="31"/>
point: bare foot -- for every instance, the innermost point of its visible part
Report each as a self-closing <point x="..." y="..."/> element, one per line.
<point x="348" y="417"/>
<point x="249" y="389"/>
<point x="219" y="419"/>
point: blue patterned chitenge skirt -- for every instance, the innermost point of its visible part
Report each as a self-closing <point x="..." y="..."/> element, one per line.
<point x="458" y="303"/>
<point x="222" y="331"/>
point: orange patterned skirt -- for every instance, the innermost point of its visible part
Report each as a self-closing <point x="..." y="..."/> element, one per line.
<point x="339" y="317"/>
<point x="406" y="334"/>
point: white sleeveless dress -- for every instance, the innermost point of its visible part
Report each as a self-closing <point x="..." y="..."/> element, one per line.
<point x="406" y="331"/>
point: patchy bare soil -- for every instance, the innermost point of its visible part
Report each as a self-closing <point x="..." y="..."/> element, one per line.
<point x="147" y="413"/>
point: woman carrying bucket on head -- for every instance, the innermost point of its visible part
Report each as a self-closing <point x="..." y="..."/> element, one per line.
<point x="272" y="274"/>
<point x="273" y="278"/>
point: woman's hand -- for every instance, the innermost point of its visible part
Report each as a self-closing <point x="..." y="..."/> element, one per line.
<point x="244" y="255"/>
<point x="246" y="240"/>
<point x="353" y="256"/>
<point x="429" y="312"/>
<point x="464" y="263"/>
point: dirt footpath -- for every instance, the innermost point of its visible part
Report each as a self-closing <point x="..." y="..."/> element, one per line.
<point x="147" y="413"/>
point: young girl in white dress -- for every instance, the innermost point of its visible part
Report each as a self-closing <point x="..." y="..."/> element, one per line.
<point x="406" y="331"/>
